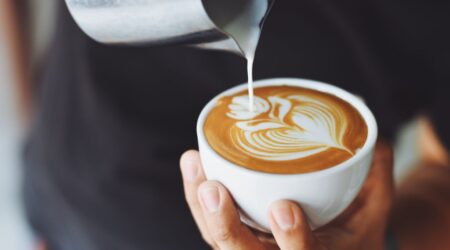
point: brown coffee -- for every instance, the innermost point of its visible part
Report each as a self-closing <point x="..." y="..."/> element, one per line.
<point x="291" y="130"/>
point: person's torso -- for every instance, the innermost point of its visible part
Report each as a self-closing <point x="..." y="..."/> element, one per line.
<point x="112" y="121"/>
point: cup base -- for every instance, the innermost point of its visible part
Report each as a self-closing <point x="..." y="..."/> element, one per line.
<point x="249" y="222"/>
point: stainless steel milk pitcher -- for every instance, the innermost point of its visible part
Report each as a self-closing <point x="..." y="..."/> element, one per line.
<point x="155" y="22"/>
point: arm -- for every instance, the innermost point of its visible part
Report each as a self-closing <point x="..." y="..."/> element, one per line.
<point x="13" y="28"/>
<point x="421" y="213"/>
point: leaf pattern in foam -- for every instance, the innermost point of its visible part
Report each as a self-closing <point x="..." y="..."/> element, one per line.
<point x="260" y="124"/>
<point x="279" y="107"/>
<point x="239" y="109"/>
<point x="319" y="122"/>
<point x="312" y="130"/>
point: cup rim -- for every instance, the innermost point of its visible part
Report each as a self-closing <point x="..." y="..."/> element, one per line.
<point x="355" y="101"/>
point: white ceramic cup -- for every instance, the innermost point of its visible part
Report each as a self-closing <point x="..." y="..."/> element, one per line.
<point x="323" y="194"/>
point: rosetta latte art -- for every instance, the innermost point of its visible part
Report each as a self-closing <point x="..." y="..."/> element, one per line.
<point x="296" y="127"/>
<point x="289" y="130"/>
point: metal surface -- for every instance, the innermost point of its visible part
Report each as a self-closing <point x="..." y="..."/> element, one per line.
<point x="152" y="22"/>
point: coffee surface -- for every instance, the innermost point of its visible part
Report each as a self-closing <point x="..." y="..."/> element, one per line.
<point x="291" y="130"/>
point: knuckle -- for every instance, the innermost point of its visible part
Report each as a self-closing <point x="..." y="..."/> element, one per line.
<point x="191" y="200"/>
<point x="222" y="234"/>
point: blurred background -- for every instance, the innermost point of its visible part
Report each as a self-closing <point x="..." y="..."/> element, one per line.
<point x="14" y="232"/>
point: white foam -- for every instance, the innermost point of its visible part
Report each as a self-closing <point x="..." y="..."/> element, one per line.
<point x="313" y="127"/>
<point x="239" y="108"/>
<point x="246" y="31"/>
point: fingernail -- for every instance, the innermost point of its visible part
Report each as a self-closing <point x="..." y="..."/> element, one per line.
<point x="211" y="198"/>
<point x="190" y="171"/>
<point x="283" y="216"/>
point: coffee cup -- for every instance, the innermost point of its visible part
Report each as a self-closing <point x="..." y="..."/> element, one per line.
<point x="322" y="194"/>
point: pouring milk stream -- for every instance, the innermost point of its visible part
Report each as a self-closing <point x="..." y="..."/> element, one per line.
<point x="229" y="25"/>
<point x="245" y="29"/>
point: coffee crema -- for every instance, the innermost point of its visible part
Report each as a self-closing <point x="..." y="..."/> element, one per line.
<point x="291" y="130"/>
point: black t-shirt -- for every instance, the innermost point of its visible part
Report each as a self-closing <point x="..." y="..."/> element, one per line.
<point x="112" y="121"/>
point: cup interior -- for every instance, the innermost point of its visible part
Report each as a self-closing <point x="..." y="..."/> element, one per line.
<point x="355" y="101"/>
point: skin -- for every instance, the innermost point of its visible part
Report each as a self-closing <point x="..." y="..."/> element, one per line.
<point x="13" y="23"/>
<point x="418" y="212"/>
<point x="361" y="226"/>
<point x="421" y="212"/>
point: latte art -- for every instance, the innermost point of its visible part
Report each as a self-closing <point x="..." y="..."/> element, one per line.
<point x="290" y="130"/>
<point x="294" y="127"/>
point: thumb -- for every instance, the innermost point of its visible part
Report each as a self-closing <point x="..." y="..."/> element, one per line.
<point x="222" y="219"/>
<point x="290" y="227"/>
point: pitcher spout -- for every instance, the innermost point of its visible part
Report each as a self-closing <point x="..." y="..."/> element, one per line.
<point x="209" y="24"/>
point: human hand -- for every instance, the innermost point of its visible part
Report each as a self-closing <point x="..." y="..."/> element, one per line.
<point x="361" y="226"/>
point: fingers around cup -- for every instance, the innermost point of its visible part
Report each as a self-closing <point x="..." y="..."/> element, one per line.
<point x="289" y="226"/>
<point x="190" y="165"/>
<point x="222" y="219"/>
<point x="193" y="176"/>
